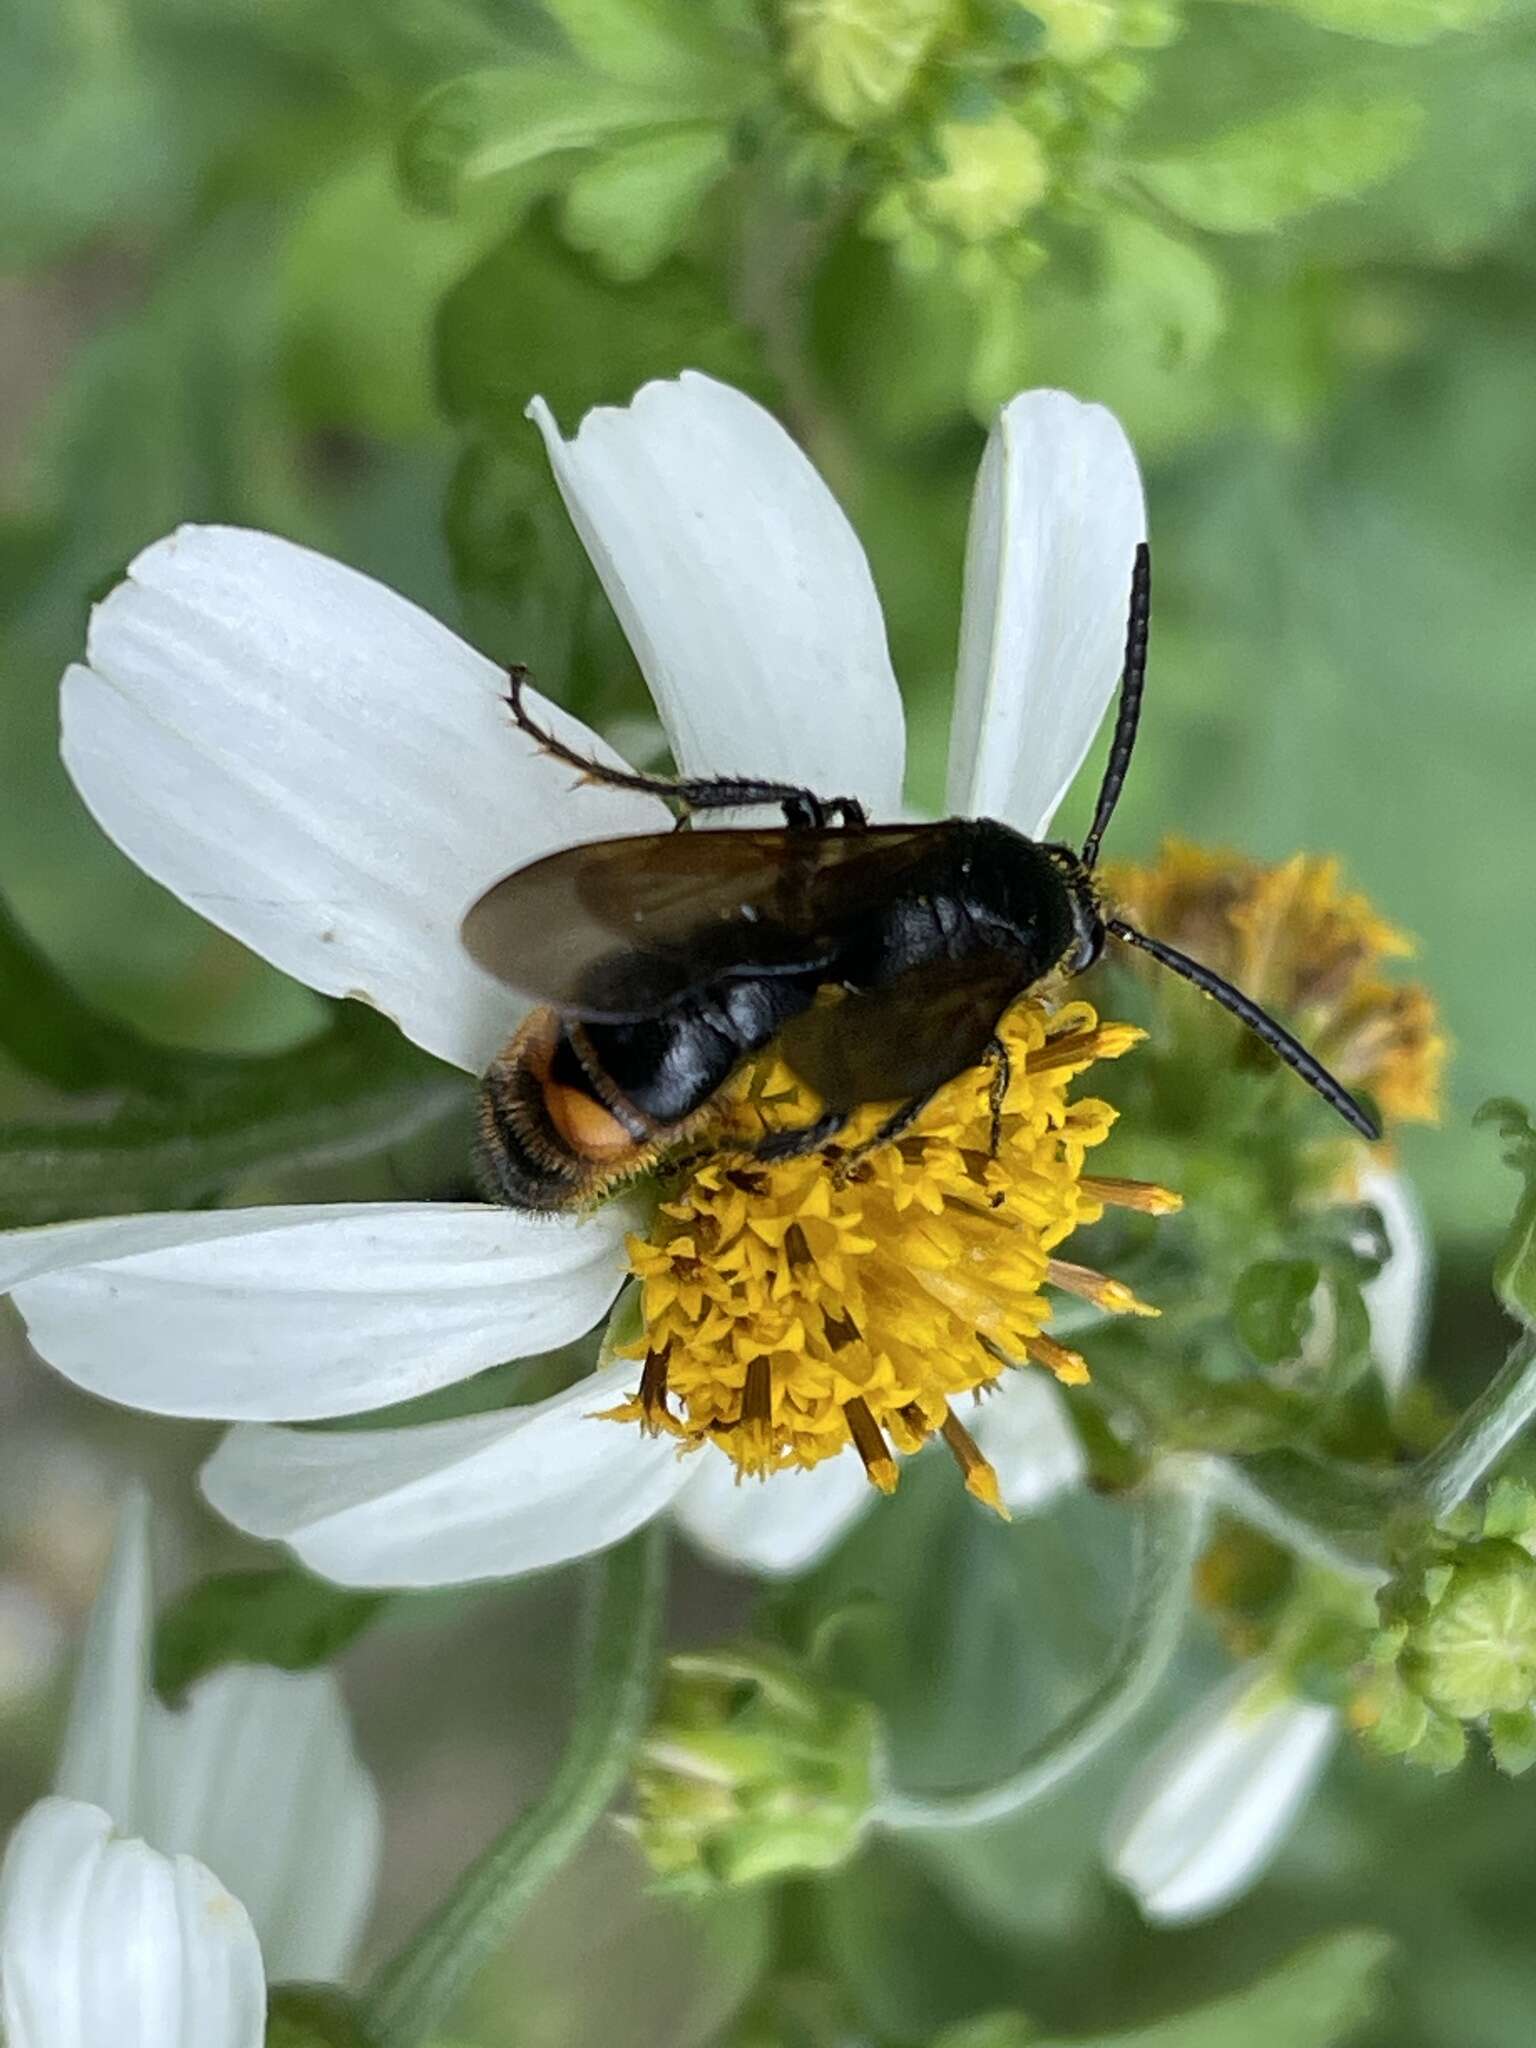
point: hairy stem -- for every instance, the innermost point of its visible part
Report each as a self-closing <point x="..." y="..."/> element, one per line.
<point x="414" y="1992"/>
<point x="1483" y="1432"/>
<point x="1173" y="1515"/>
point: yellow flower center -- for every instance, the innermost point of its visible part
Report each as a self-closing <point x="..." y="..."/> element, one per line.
<point x="850" y="1296"/>
<point x="1295" y="939"/>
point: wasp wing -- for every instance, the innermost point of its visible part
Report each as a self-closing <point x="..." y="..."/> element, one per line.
<point x="899" y="1043"/>
<point x="626" y="928"/>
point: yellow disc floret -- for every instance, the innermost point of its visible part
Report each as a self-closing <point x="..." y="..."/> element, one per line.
<point x="791" y="1308"/>
<point x="1295" y="939"/>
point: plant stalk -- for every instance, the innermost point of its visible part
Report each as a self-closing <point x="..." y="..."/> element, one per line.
<point x="1482" y="1433"/>
<point x="416" y="1990"/>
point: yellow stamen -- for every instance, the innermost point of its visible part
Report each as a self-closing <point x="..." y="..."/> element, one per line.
<point x="653" y="1393"/>
<point x="1070" y="1367"/>
<point x="870" y="1445"/>
<point x="1144" y="1195"/>
<point x="754" y="1434"/>
<point x="980" y="1479"/>
<point x="789" y="1311"/>
<point x="1111" y="1295"/>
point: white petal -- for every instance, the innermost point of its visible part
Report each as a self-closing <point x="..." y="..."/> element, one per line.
<point x="106" y="1944"/>
<point x="257" y="1778"/>
<point x="1026" y="1432"/>
<point x="741" y="586"/>
<point x="1055" y="522"/>
<point x="481" y="1497"/>
<point x="295" y="1313"/>
<point x="321" y="769"/>
<point x="775" y="1526"/>
<point x="1398" y="1297"/>
<point x="1216" y="1799"/>
<point x="100" y="1759"/>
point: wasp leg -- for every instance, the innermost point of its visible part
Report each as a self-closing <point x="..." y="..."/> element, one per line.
<point x="803" y="809"/>
<point x="997" y="1093"/>
<point x="896" y="1125"/>
<point x="797" y="1144"/>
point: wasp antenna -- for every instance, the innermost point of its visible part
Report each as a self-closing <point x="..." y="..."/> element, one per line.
<point x="1133" y="680"/>
<point x="1259" y="1022"/>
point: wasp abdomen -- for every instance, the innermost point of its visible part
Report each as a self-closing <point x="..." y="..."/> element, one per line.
<point x="547" y="1142"/>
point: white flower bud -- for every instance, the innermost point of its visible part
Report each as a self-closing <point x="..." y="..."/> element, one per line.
<point x="1213" y="1803"/>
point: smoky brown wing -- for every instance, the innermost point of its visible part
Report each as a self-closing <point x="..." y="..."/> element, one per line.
<point x="624" y="928"/>
<point x="897" y="1043"/>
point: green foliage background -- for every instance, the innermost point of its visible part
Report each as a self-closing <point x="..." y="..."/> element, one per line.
<point x="300" y="263"/>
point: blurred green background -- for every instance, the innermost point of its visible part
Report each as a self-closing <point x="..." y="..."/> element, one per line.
<point x="299" y="264"/>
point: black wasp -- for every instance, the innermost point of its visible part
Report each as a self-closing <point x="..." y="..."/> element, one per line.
<point x="660" y="962"/>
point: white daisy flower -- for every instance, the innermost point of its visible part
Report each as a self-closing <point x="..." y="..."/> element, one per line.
<point x="186" y="1858"/>
<point x="1209" y="1809"/>
<point x="330" y="776"/>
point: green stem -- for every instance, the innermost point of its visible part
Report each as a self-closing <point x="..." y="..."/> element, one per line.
<point x="413" y="1993"/>
<point x="1331" y="1514"/>
<point x="1483" y="1432"/>
<point x="1168" y="1542"/>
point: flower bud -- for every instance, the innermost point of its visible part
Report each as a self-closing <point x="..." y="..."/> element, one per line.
<point x="1474" y="1652"/>
<point x="752" y="1770"/>
<point x="1458" y="1641"/>
<point x="855" y="59"/>
<point x="1076" y="31"/>
<point x="995" y="172"/>
<point x="1214" y="1802"/>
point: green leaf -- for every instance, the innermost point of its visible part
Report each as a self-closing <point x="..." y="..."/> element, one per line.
<point x="1473" y="164"/>
<point x="1272" y="1307"/>
<point x="1253" y="178"/>
<point x="85" y="137"/>
<point x="313" y="2016"/>
<point x="632" y="207"/>
<point x="484" y="129"/>
<point x="532" y="316"/>
<point x="991" y="2030"/>
<point x="891" y="343"/>
<point x="360" y="278"/>
<point x="353" y="1091"/>
<point x="280" y="1617"/>
<point x="1316" y="1998"/>
<point x="906" y="1954"/>
<point x="1161" y="287"/>
<point x="1514" y="1267"/>
<point x="1393" y="21"/>
<point x="647" y="38"/>
<point x="56" y="1036"/>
